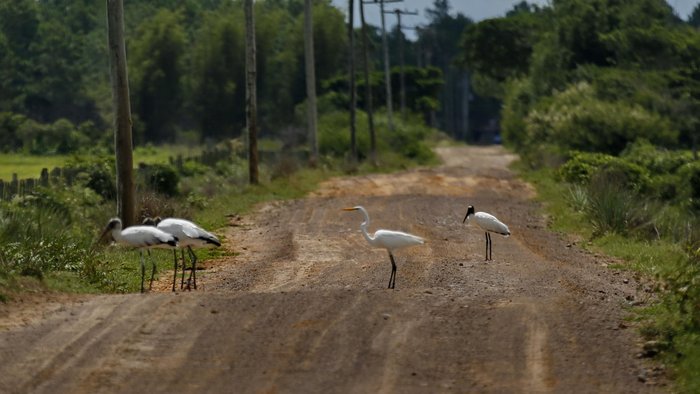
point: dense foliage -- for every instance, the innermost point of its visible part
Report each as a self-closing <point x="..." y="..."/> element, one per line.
<point x="607" y="93"/>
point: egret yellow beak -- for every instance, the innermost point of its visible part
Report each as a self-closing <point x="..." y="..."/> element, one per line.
<point x="349" y="209"/>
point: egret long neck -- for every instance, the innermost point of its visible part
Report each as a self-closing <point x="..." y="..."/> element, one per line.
<point x="364" y="226"/>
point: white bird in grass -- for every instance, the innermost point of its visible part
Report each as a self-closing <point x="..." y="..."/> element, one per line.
<point x="387" y="239"/>
<point x="189" y="235"/>
<point x="488" y="223"/>
<point x="140" y="237"/>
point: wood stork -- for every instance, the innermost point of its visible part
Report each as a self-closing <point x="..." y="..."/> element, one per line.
<point x="488" y="223"/>
<point x="140" y="237"/>
<point x="387" y="239"/>
<point x="189" y="235"/>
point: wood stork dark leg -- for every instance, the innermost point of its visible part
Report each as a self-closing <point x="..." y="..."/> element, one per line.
<point x="193" y="274"/>
<point x="174" y="268"/>
<point x="182" y="280"/>
<point x="392" y="278"/>
<point x="143" y="269"/>
<point x="153" y="270"/>
<point x="490" y="247"/>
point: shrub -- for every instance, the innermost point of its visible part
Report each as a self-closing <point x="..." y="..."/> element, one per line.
<point x="612" y="208"/>
<point x="583" y="166"/>
<point x="575" y="119"/>
<point x="97" y="172"/>
<point x="690" y="178"/>
<point x="161" y="178"/>
<point x="655" y="159"/>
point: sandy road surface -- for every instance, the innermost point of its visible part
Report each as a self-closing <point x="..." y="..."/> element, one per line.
<point x="303" y="306"/>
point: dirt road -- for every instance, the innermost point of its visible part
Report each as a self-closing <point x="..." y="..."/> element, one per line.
<point x="303" y="306"/>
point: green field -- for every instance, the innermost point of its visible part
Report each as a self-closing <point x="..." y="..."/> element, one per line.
<point x="29" y="166"/>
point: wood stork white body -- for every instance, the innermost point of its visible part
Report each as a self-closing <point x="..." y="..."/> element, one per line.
<point x="189" y="235"/>
<point x="140" y="237"/>
<point x="387" y="239"/>
<point x="488" y="223"/>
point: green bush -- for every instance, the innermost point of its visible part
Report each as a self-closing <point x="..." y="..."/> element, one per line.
<point x="690" y="176"/>
<point x="582" y="167"/>
<point x="612" y="208"/>
<point x="9" y="123"/>
<point x="408" y="139"/>
<point x="656" y="160"/>
<point x="161" y="178"/>
<point x="575" y="119"/>
<point x="98" y="173"/>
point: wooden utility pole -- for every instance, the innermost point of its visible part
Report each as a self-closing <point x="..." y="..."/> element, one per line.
<point x="123" y="143"/>
<point x="402" y="78"/>
<point x="353" y="89"/>
<point x="368" y="89"/>
<point x="251" y="99"/>
<point x="311" y="114"/>
<point x="387" y="69"/>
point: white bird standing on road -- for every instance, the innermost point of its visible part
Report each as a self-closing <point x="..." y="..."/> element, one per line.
<point x="140" y="237"/>
<point x="488" y="223"/>
<point x="189" y="235"/>
<point x="387" y="239"/>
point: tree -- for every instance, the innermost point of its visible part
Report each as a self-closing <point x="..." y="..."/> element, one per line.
<point x="218" y="76"/>
<point x="126" y="201"/>
<point x="368" y="88"/>
<point x="251" y="93"/>
<point x="157" y="64"/>
<point x="311" y="116"/>
<point x="694" y="17"/>
<point x="353" y="89"/>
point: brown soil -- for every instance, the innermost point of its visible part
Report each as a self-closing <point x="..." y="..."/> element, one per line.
<point x="303" y="305"/>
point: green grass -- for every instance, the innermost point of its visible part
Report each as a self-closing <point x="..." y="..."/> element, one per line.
<point x="669" y="319"/>
<point x="27" y="166"/>
<point x="30" y="166"/>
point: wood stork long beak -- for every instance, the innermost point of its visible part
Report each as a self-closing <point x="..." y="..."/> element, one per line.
<point x="104" y="233"/>
<point x="465" y="217"/>
<point x="349" y="209"/>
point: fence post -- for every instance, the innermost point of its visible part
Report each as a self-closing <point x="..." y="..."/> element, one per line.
<point x="55" y="175"/>
<point x="44" y="179"/>
<point x="29" y="185"/>
<point x="14" y="186"/>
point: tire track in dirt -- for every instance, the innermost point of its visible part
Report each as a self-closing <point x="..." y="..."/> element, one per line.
<point x="302" y="306"/>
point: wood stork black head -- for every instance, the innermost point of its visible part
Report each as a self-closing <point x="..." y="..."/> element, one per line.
<point x="114" y="224"/>
<point x="149" y="221"/>
<point x="470" y="210"/>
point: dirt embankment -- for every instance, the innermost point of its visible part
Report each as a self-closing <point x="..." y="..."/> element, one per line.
<point x="303" y="305"/>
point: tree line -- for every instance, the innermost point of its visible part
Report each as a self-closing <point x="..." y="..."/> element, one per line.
<point x="186" y="68"/>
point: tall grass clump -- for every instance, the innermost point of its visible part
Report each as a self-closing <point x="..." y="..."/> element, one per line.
<point x="44" y="232"/>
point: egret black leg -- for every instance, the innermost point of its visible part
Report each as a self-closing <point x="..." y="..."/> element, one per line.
<point x="392" y="278"/>
<point x="174" y="268"/>
<point x="193" y="274"/>
<point x="153" y="270"/>
<point x="486" y="234"/>
<point x="143" y="269"/>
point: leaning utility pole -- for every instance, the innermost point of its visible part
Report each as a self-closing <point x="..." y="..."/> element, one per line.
<point x="123" y="143"/>
<point x="251" y="100"/>
<point x="387" y="71"/>
<point x="368" y="89"/>
<point x="311" y="114"/>
<point x="402" y="78"/>
<point x="353" y="89"/>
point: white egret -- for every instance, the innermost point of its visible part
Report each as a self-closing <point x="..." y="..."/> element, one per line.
<point x="488" y="223"/>
<point x="387" y="239"/>
<point x="140" y="237"/>
<point x="189" y="235"/>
